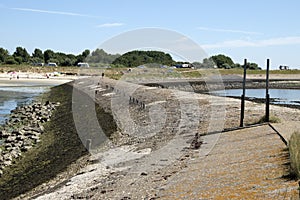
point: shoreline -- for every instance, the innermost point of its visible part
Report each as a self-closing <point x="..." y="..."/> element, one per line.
<point x="23" y="82"/>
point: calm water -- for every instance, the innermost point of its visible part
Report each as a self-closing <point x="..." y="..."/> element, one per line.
<point x="280" y="96"/>
<point x="11" y="97"/>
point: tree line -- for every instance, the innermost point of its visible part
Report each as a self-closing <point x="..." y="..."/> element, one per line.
<point x="99" y="57"/>
<point x="137" y="58"/>
<point x="21" y="56"/>
<point x="223" y="62"/>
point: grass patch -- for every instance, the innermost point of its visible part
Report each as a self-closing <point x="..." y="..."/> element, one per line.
<point x="272" y="119"/>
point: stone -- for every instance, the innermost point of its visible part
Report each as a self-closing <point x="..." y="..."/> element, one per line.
<point x="26" y="128"/>
<point x="144" y="174"/>
<point x="29" y="133"/>
<point x="27" y="142"/>
<point x="7" y="162"/>
<point x="1" y="165"/>
<point x="5" y="134"/>
<point x="15" y="153"/>
<point x="7" y="145"/>
<point x="42" y="129"/>
<point x="17" y="144"/>
<point x="25" y="148"/>
<point x="37" y="130"/>
<point x="7" y="157"/>
<point x="16" y="132"/>
<point x="8" y="149"/>
<point x="34" y="137"/>
<point x="37" y="141"/>
<point x="14" y="116"/>
<point x="16" y="120"/>
<point x="20" y="137"/>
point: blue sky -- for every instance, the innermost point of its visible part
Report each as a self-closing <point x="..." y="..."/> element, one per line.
<point x="256" y="29"/>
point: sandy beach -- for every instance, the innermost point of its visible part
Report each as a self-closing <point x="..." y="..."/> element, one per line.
<point x="33" y="79"/>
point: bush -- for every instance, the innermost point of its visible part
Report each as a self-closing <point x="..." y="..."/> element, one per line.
<point x="11" y="61"/>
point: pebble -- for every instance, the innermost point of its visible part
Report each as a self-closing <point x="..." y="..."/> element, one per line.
<point x="144" y="174"/>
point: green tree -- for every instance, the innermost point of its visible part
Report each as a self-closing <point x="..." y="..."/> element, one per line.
<point x="252" y="66"/>
<point x="99" y="56"/>
<point x="10" y="60"/>
<point x="18" y="59"/>
<point x="48" y="54"/>
<point x="220" y="60"/>
<point x="37" y="53"/>
<point x="3" y="55"/>
<point x="208" y="63"/>
<point x="22" y="53"/>
<point x="86" y="53"/>
<point x="137" y="58"/>
<point x="35" y="60"/>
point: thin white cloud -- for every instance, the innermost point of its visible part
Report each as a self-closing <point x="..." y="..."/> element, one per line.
<point x="54" y="12"/>
<point x="108" y="25"/>
<point x="257" y="43"/>
<point x="229" y="31"/>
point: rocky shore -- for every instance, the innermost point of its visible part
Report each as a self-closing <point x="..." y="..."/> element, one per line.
<point x="23" y="130"/>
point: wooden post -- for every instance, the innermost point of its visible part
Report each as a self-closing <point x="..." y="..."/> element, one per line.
<point x="243" y="95"/>
<point x="267" y="92"/>
<point x="88" y="144"/>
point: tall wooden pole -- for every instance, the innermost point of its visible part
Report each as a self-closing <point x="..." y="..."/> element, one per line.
<point x="267" y="92"/>
<point x="243" y="95"/>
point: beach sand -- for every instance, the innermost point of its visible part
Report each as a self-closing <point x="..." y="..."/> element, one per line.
<point x="33" y="80"/>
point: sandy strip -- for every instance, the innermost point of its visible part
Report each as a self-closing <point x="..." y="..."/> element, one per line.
<point x="32" y="82"/>
<point x="33" y="79"/>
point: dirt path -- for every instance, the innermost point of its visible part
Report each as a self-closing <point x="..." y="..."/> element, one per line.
<point x="245" y="164"/>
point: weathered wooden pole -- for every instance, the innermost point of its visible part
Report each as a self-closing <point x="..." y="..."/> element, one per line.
<point x="267" y="92"/>
<point x="88" y="144"/>
<point x="243" y="95"/>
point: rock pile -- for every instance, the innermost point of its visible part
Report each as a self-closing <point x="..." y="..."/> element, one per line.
<point x="22" y="131"/>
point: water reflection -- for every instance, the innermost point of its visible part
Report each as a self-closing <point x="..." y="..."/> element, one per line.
<point x="279" y="96"/>
<point x="12" y="97"/>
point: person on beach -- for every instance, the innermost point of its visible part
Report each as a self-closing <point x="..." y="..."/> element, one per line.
<point x="102" y="74"/>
